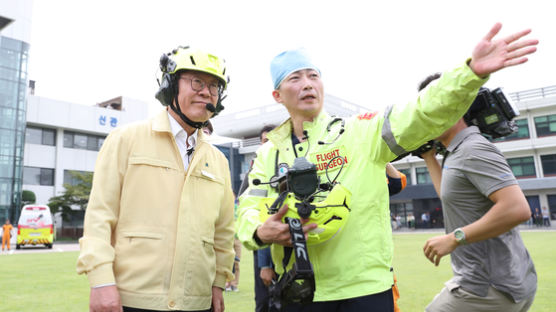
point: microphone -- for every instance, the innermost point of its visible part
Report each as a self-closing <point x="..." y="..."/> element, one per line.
<point x="258" y="182"/>
<point x="210" y="108"/>
<point x="190" y="151"/>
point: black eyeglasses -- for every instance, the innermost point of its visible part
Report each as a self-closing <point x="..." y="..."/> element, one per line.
<point x="198" y="85"/>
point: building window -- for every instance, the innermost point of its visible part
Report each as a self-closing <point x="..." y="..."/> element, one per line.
<point x="407" y="173"/>
<point x="68" y="139"/>
<point x="48" y="137"/>
<point x="100" y="142"/>
<point x="523" y="167"/>
<point x="549" y="164"/>
<point x="33" y="135"/>
<point x="83" y="141"/>
<point x="545" y="125"/>
<point x="38" y="176"/>
<point x="40" y="136"/>
<point x="92" y="143"/>
<point x="69" y="177"/>
<point x="80" y="141"/>
<point x="423" y="176"/>
<point x="552" y="206"/>
<point x="521" y="133"/>
<point x="6" y="166"/>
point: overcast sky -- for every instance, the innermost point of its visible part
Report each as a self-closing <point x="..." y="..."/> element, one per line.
<point x="369" y="54"/>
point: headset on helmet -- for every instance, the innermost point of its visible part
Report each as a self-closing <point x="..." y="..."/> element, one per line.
<point x="185" y="58"/>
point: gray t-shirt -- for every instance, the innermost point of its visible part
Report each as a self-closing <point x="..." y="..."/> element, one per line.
<point x="473" y="170"/>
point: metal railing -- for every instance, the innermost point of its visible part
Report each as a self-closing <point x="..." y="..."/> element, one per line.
<point x="533" y="93"/>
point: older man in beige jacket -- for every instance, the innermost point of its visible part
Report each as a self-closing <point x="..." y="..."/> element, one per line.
<point x="159" y="227"/>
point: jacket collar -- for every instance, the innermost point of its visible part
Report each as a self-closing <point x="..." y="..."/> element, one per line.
<point x="282" y="134"/>
<point x="161" y="123"/>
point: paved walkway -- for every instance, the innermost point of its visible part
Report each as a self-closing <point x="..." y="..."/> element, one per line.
<point x="56" y="247"/>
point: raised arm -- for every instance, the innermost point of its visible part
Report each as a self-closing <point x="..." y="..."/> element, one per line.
<point x="434" y="169"/>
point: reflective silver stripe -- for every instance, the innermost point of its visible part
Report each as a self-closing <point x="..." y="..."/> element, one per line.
<point x="388" y="136"/>
<point x="258" y="192"/>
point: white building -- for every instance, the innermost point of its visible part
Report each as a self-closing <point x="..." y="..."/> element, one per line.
<point x="61" y="137"/>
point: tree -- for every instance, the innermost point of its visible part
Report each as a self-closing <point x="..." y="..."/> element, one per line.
<point x="28" y="197"/>
<point x="75" y="195"/>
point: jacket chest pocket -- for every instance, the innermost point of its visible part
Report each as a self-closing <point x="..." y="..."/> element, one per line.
<point x="151" y="190"/>
<point x="152" y="162"/>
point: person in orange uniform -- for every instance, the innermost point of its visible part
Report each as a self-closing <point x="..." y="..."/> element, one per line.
<point x="6" y="234"/>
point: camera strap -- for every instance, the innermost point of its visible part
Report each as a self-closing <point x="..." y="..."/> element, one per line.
<point x="444" y="159"/>
<point x="298" y="284"/>
<point x="302" y="264"/>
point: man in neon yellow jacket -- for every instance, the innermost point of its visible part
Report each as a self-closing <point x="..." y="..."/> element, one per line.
<point x="352" y="269"/>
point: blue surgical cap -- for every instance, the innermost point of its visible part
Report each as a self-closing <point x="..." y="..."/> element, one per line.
<point x="288" y="62"/>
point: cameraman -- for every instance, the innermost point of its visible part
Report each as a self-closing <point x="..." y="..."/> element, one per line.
<point x="352" y="269"/>
<point x="482" y="205"/>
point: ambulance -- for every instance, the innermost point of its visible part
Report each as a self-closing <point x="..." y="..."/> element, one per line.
<point x="35" y="226"/>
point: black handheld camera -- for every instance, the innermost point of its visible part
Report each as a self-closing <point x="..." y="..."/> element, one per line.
<point x="297" y="285"/>
<point x="301" y="180"/>
<point x="492" y="112"/>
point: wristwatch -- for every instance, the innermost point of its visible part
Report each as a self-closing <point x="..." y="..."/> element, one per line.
<point x="459" y="234"/>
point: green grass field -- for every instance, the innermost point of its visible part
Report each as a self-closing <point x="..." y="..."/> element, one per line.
<point x="48" y="282"/>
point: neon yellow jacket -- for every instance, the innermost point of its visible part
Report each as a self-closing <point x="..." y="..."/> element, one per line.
<point x="162" y="234"/>
<point x="357" y="261"/>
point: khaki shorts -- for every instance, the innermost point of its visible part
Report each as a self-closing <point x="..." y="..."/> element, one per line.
<point x="460" y="300"/>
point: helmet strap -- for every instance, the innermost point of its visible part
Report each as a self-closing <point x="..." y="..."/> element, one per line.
<point x="177" y="110"/>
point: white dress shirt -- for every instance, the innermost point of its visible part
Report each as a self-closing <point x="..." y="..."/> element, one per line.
<point x="185" y="143"/>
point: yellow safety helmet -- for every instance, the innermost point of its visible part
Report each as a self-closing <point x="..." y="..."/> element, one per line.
<point x="330" y="215"/>
<point x="186" y="58"/>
